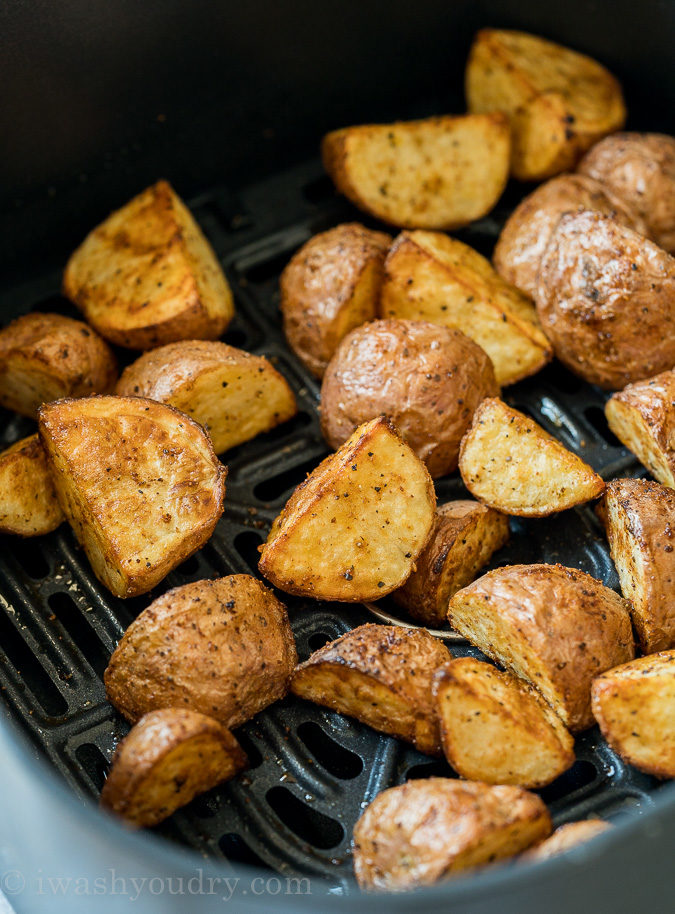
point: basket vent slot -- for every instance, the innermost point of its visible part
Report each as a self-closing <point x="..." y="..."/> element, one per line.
<point x="338" y="761"/>
<point x="309" y="824"/>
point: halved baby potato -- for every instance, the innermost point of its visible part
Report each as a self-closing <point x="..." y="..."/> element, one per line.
<point x="567" y="836"/>
<point x="28" y="502"/>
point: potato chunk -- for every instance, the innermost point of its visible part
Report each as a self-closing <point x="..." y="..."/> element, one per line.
<point x="137" y="480"/>
<point x="354" y="528"/>
<point x="437" y="173"/>
<point x="167" y="759"/>
<point x="148" y="276"/>
<point x="431" y="277"/>
<point x="28" y="502"/>
<point x="567" y="836"/>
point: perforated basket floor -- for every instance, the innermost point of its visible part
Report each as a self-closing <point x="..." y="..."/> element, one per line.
<point x="312" y="771"/>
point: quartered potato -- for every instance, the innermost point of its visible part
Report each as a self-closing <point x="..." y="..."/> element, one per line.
<point x="223" y="647"/>
<point x="431" y="829"/>
<point x="167" y="759"/>
<point x="431" y="277"/>
<point x="558" y="102"/>
<point x="354" y="528"/>
<point x="510" y="463"/>
<point x="634" y="705"/>
<point x="148" y="276"/>
<point x="47" y="356"/>
<point x="28" y="502"/>
<point x="496" y="728"/>
<point x="137" y="480"/>
<point x="436" y="173"/>
<point x="233" y="394"/>
<point x="464" y="537"/>
<point x="382" y="676"/>
<point x="567" y="836"/>
<point x="555" y="627"/>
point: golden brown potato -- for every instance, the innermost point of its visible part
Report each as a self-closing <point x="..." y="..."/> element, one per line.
<point x="642" y="416"/>
<point x="331" y="285"/>
<point x="167" y="759"/>
<point x="431" y="277"/>
<point x="555" y="627"/>
<point x="148" y="276"/>
<point x="427" y="379"/>
<point x="137" y="480"/>
<point x="566" y="837"/>
<point x="436" y="173"/>
<point x="431" y="829"/>
<point x="382" y="676"/>
<point x="640" y="519"/>
<point x="354" y="528"/>
<point x="28" y="502"/>
<point x="464" y="537"/>
<point x="559" y="102"/>
<point x="605" y="296"/>
<point x="222" y="647"/>
<point x="510" y="463"/>
<point x="233" y="394"/>
<point x="45" y="357"/>
<point x="528" y="229"/>
<point x="640" y="169"/>
<point x="634" y="705"/>
<point x="497" y="729"/>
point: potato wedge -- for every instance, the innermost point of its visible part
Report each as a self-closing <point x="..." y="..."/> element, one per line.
<point x="166" y="760"/>
<point x="436" y="173"/>
<point x="45" y="357"/>
<point x="555" y="627"/>
<point x="431" y="277"/>
<point x="642" y="416"/>
<point x="567" y="836"/>
<point x="224" y="648"/>
<point x="233" y="394"/>
<point x="431" y="829"/>
<point x="28" y="502"/>
<point x="354" y="528"/>
<point x="382" y="676"/>
<point x="464" y="537"/>
<point x="497" y="729"/>
<point x="639" y="516"/>
<point x="559" y="102"/>
<point x="510" y="463"/>
<point x="331" y="285"/>
<point x="138" y="482"/>
<point x="147" y="275"/>
<point x="634" y="705"/>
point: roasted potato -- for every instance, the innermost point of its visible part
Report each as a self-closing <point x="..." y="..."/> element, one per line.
<point x="640" y="519"/>
<point x="528" y="229"/>
<point x="566" y="837"/>
<point x="606" y="299"/>
<point x="464" y="537"/>
<point x="431" y="829"/>
<point x="354" y="528"/>
<point x="640" y="169"/>
<point x="28" y="502"/>
<point x="233" y="394"/>
<point x="558" y="102"/>
<point x="147" y="275"/>
<point x="634" y="705"/>
<point x="436" y="173"/>
<point x="45" y="357"/>
<point x="429" y="276"/>
<point x="331" y="285"/>
<point x="137" y="480"/>
<point x="427" y="379"/>
<point x="222" y="647"/>
<point x="167" y="759"/>
<point x="382" y="676"/>
<point x="498" y="729"/>
<point x="642" y="416"/>
<point x="555" y="627"/>
<point x="510" y="463"/>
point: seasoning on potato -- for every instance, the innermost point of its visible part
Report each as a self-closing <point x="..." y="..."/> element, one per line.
<point x="28" y="502"/>
<point x="567" y="836"/>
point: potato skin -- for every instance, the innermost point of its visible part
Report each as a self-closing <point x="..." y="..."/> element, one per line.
<point x="566" y="837"/>
<point x="427" y="379"/>
<point x="28" y="502"/>
<point x="223" y="647"/>
<point x="331" y="285"/>
<point x="604" y="296"/>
